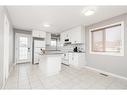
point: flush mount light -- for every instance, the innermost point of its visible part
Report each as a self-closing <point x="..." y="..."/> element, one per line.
<point x="89" y="11"/>
<point x="46" y="25"/>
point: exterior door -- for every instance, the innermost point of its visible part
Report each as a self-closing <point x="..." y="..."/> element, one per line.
<point x="23" y="48"/>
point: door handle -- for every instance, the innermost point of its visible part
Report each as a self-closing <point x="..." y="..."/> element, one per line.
<point x="28" y="49"/>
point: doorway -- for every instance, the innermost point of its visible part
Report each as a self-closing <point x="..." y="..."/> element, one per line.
<point x="22" y="48"/>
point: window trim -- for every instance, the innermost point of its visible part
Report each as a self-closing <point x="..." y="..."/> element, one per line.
<point x="108" y="53"/>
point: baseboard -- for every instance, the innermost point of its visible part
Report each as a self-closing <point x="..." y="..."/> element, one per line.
<point x="65" y="64"/>
<point x="107" y="73"/>
<point x="11" y="69"/>
<point x="3" y="86"/>
<point x="4" y="83"/>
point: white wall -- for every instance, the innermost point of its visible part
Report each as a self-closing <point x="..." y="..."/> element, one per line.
<point x="22" y="31"/>
<point x="11" y="48"/>
<point x="112" y="64"/>
<point x="1" y="45"/>
<point x="3" y="11"/>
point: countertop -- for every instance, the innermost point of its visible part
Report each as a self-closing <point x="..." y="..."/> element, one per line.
<point x="52" y="53"/>
<point x="75" y="52"/>
<point x="58" y="52"/>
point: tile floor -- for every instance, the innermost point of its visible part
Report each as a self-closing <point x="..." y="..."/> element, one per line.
<point x="27" y="76"/>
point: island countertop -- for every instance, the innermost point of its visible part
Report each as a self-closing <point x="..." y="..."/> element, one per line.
<point x="51" y="53"/>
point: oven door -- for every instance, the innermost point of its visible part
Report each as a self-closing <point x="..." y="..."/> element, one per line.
<point x="66" y="40"/>
<point x="65" y="59"/>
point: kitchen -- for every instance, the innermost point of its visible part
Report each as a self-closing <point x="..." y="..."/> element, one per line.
<point x="64" y="47"/>
<point x="69" y="45"/>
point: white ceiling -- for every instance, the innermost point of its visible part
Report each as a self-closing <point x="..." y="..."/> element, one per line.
<point x="60" y="17"/>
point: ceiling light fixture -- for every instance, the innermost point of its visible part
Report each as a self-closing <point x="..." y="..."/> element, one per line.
<point x="89" y="11"/>
<point x="46" y="25"/>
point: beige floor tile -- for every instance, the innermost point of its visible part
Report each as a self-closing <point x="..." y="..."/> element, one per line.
<point x="28" y="76"/>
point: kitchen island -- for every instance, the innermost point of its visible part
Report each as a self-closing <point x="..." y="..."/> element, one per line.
<point x="50" y="63"/>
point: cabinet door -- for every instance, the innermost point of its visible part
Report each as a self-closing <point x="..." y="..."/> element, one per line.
<point x="75" y="35"/>
<point x="66" y="36"/>
<point x="71" y="59"/>
<point x="72" y="36"/>
<point x="69" y="35"/>
<point x="75" y="59"/>
<point x="38" y="34"/>
<point x="48" y="38"/>
<point x="35" y="33"/>
<point x="66" y="56"/>
<point x="62" y="38"/>
<point x="42" y="34"/>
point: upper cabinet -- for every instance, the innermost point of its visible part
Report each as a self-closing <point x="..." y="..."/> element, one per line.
<point x="48" y="38"/>
<point x="63" y="36"/>
<point x="39" y="34"/>
<point x="75" y="35"/>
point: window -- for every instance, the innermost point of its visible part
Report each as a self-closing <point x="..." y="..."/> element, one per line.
<point x="107" y="40"/>
<point x="23" y="48"/>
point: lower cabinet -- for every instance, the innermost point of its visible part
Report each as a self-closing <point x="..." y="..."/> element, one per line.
<point x="77" y="59"/>
<point x="65" y="59"/>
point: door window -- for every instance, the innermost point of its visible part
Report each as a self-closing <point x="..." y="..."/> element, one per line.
<point x="23" y="48"/>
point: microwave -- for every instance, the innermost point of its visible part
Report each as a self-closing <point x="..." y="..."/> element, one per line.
<point x="66" y="40"/>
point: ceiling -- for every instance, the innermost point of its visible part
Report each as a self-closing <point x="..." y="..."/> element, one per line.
<point x="59" y="17"/>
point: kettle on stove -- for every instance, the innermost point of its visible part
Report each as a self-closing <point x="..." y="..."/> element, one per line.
<point x="75" y="49"/>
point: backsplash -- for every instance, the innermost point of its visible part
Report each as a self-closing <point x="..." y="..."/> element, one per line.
<point x="67" y="48"/>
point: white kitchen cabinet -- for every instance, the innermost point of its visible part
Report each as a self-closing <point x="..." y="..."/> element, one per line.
<point x="71" y="58"/>
<point x="69" y="35"/>
<point x="77" y="59"/>
<point x="75" y="35"/>
<point x="39" y="34"/>
<point x="48" y="38"/>
<point x="50" y="64"/>
<point x="65" y="58"/>
<point x="63" y="36"/>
